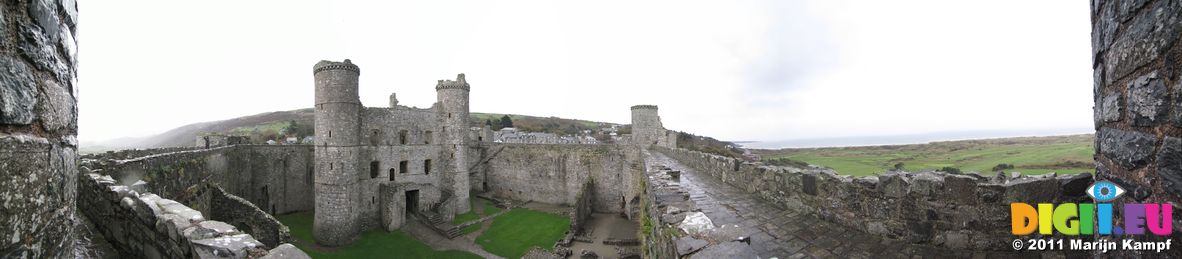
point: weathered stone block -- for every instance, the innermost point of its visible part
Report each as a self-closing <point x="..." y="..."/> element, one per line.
<point x="286" y="251"/>
<point x="233" y="246"/>
<point x="1169" y="165"/>
<point x="894" y="184"/>
<point x="1147" y="97"/>
<point x="1110" y="108"/>
<point x="1129" y="149"/>
<point x="926" y="185"/>
<point x="1032" y="190"/>
<point x="18" y="92"/>
<point x="960" y="189"/>
<point x="172" y="225"/>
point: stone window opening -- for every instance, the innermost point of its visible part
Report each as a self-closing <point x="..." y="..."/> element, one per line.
<point x="402" y="137"/>
<point x="374" y="169"/>
<point x="392" y="173"/>
<point x="375" y="138"/>
<point x="402" y="167"/>
<point x="427" y="166"/>
<point x="329" y="166"/>
<point x="427" y="137"/>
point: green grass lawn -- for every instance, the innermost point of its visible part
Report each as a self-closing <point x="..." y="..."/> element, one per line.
<point x="512" y="234"/>
<point x="1031" y="155"/>
<point x="480" y="208"/>
<point x="372" y="244"/>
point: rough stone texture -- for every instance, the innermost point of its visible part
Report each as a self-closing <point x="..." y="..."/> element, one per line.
<point x="1147" y="102"/>
<point x="553" y="173"/>
<point x="1169" y="160"/>
<point x="1110" y="108"/>
<point x="144" y="225"/>
<point x="1129" y="149"/>
<point x="1136" y="53"/>
<point x="38" y="124"/>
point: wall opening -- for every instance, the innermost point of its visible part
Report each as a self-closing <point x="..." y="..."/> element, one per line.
<point x="402" y="137"/>
<point x="412" y="201"/>
<point x="402" y="167"/>
<point x="375" y="137"/>
<point x="392" y="173"/>
<point x="427" y="138"/>
<point x="374" y="169"/>
<point x="427" y="166"/>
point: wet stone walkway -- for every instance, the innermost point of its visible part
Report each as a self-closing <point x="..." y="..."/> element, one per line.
<point x="781" y="233"/>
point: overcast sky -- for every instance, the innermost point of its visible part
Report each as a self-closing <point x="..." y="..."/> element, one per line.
<point x="735" y="70"/>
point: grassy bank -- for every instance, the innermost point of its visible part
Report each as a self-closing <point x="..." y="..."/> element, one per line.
<point x="1028" y="155"/>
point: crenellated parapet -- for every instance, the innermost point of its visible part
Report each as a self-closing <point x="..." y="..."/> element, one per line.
<point x="325" y="65"/>
<point x="459" y="83"/>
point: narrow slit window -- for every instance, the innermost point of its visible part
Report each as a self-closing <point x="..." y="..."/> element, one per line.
<point x="427" y="166"/>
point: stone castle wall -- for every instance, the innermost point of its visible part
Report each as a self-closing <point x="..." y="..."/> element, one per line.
<point x="554" y="173"/>
<point x="277" y="179"/>
<point x="38" y="125"/>
<point x="1137" y="86"/>
<point x="949" y="210"/>
<point x="143" y="225"/>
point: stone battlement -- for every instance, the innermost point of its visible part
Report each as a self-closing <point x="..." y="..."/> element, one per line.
<point x="325" y="65"/>
<point x="644" y="106"/>
<point x="148" y="226"/>
<point x="459" y="83"/>
<point x="958" y="211"/>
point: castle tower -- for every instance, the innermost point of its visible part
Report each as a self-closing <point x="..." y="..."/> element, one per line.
<point x="646" y="125"/>
<point x="453" y="111"/>
<point x="337" y="152"/>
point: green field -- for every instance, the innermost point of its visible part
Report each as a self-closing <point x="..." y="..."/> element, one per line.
<point x="1029" y="155"/>
<point x="371" y="244"/>
<point x="512" y="234"/>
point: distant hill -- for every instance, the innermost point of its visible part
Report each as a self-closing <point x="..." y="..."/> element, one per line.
<point x="1028" y="155"/>
<point x="269" y="123"/>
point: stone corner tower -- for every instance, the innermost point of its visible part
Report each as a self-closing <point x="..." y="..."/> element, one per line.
<point x="453" y="114"/>
<point x="337" y="152"/>
<point x="646" y="125"/>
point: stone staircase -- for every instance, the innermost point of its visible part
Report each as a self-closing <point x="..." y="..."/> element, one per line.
<point x="437" y="223"/>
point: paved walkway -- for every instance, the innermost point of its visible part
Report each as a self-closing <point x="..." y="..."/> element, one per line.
<point x="784" y="233"/>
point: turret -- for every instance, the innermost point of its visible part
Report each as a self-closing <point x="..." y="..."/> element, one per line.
<point x="453" y="111"/>
<point x="646" y="125"/>
<point x="338" y="133"/>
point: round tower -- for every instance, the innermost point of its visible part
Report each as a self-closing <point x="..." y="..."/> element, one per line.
<point x="646" y="125"/>
<point x="337" y="152"/>
<point x="453" y="113"/>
